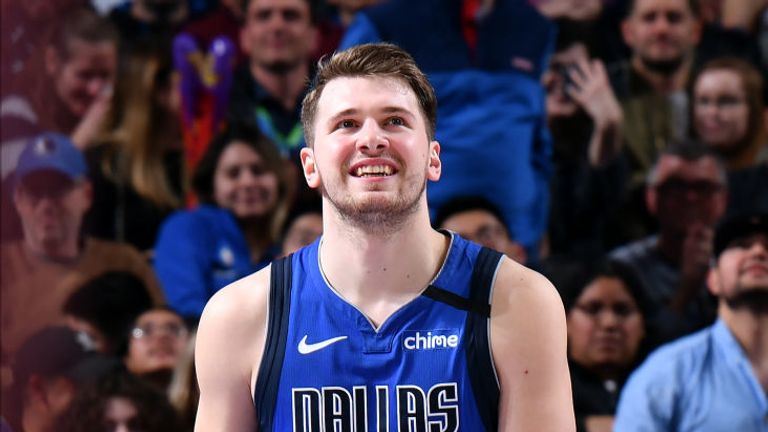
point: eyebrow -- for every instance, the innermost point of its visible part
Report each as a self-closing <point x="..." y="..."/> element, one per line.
<point x="386" y="110"/>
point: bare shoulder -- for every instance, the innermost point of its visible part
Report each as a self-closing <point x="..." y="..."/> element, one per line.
<point x="229" y="345"/>
<point x="528" y="341"/>
<point x="518" y="287"/>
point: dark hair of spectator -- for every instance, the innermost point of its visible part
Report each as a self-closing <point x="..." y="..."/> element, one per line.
<point x="464" y="204"/>
<point x="571" y="32"/>
<point x="571" y="281"/>
<point x="693" y="6"/>
<point x="85" y="25"/>
<point x="203" y="180"/>
<point x="111" y="303"/>
<point x="689" y="151"/>
<point x="154" y="411"/>
<point x="299" y="210"/>
<point x="382" y="60"/>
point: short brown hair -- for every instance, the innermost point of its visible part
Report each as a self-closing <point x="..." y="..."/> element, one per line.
<point x="370" y="60"/>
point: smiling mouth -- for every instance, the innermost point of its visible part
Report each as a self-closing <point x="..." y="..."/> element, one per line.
<point x="373" y="171"/>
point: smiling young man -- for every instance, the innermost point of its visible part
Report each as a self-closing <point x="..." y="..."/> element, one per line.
<point x="387" y="324"/>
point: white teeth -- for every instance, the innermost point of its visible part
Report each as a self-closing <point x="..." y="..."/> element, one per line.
<point x="373" y="170"/>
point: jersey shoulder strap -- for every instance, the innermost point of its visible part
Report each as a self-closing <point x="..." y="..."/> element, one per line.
<point x="268" y="379"/>
<point x="482" y="373"/>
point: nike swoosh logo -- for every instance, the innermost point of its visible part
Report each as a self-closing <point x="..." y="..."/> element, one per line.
<point x="305" y="348"/>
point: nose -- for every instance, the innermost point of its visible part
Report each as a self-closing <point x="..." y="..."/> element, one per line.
<point x="608" y="318"/>
<point x="661" y="23"/>
<point x="371" y="138"/>
<point x="95" y="85"/>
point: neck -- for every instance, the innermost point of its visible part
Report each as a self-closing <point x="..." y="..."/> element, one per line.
<point x="285" y="86"/>
<point x="662" y="83"/>
<point x="385" y="271"/>
<point x="65" y="252"/>
<point x="750" y="328"/>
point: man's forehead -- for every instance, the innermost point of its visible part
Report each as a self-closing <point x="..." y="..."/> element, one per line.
<point x="343" y="94"/>
<point x="645" y="6"/>
<point x="260" y="5"/>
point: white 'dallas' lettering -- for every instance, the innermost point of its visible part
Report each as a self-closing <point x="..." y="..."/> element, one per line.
<point x="430" y="340"/>
<point x="307" y="348"/>
<point x="370" y="408"/>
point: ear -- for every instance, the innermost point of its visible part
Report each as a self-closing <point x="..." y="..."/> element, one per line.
<point x="698" y="27"/>
<point x="245" y="43"/>
<point x="435" y="167"/>
<point x="713" y="282"/>
<point x="627" y="32"/>
<point x="52" y="61"/>
<point x="651" y="200"/>
<point x="35" y="390"/>
<point x="309" y="167"/>
<point x="87" y="194"/>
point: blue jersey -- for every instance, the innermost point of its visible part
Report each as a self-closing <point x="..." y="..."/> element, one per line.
<point x="428" y="367"/>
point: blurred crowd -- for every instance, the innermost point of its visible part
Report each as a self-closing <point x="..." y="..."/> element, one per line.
<point x="150" y="157"/>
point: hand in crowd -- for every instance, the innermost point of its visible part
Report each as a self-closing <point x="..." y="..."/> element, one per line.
<point x="93" y="120"/>
<point x="591" y="90"/>
<point x="694" y="262"/>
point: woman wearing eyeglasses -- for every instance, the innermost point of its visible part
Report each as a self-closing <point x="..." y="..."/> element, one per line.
<point x="728" y="112"/>
<point x="605" y="310"/>
<point x="157" y="342"/>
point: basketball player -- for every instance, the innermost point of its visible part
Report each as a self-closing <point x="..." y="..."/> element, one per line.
<point x="383" y="323"/>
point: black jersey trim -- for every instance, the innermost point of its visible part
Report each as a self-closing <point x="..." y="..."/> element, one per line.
<point x="457" y="301"/>
<point x="482" y="373"/>
<point x="268" y="380"/>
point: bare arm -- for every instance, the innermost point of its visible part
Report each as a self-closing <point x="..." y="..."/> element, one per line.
<point x="230" y="342"/>
<point x="528" y="340"/>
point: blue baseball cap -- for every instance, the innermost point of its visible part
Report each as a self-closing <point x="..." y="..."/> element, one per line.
<point x="51" y="151"/>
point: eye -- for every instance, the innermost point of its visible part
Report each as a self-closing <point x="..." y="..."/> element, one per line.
<point x="345" y="124"/>
<point x="232" y="173"/>
<point x="396" y="121"/>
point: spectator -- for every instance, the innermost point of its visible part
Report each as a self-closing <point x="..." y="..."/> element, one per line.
<point x="157" y="343"/>
<point x="303" y="227"/>
<point x="478" y="220"/>
<point x="686" y="194"/>
<point x="48" y="370"/>
<point x="149" y="21"/>
<point x="485" y="62"/>
<point x="714" y="380"/>
<point x="605" y="311"/>
<point x="728" y="112"/>
<point x="72" y="97"/>
<point x="41" y="271"/>
<point x="241" y="184"/>
<point x="136" y="168"/>
<point x="268" y="89"/>
<point x="120" y="402"/>
<point x="586" y="122"/>
<point x="105" y="309"/>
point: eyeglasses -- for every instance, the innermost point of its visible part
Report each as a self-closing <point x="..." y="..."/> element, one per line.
<point x="595" y="309"/>
<point x="721" y="103"/>
<point x="680" y="187"/>
<point x="149" y="330"/>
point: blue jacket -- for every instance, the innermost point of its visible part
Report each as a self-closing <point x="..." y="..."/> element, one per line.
<point x="491" y="112"/>
<point x="198" y="252"/>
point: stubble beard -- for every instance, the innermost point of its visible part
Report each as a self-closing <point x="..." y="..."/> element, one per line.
<point x="752" y="299"/>
<point x="665" y="67"/>
<point x="375" y="215"/>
